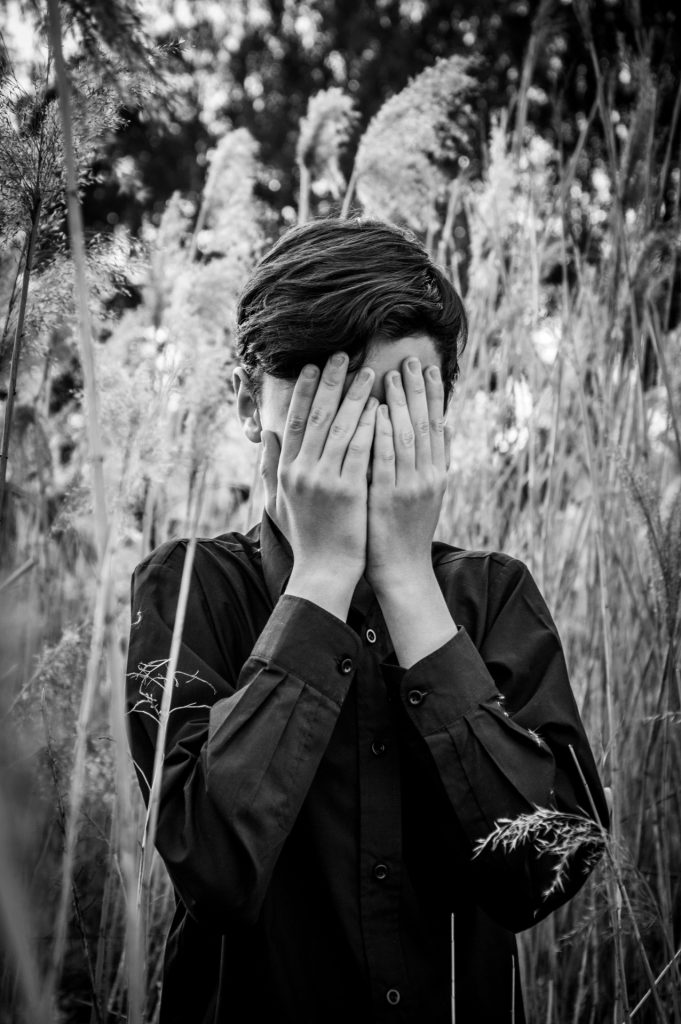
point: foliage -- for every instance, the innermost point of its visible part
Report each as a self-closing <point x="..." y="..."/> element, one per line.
<point x="416" y="142"/>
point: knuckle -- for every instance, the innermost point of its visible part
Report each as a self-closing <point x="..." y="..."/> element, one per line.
<point x="388" y="455"/>
<point x="437" y="424"/>
<point x="338" y="431"/>
<point x="319" y="416"/>
<point x="407" y="438"/>
<point x="423" y="427"/>
<point x="296" y="423"/>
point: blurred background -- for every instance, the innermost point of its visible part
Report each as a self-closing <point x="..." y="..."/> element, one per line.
<point x="149" y="154"/>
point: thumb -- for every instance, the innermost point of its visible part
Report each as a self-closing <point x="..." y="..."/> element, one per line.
<point x="269" y="464"/>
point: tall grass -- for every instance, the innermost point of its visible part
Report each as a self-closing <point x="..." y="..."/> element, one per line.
<point x="565" y="455"/>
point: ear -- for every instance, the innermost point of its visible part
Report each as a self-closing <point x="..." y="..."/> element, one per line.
<point x="246" y="406"/>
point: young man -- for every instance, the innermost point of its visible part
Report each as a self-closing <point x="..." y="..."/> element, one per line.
<point x="355" y="705"/>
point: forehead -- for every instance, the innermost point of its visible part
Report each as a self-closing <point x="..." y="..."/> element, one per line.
<point x="382" y="356"/>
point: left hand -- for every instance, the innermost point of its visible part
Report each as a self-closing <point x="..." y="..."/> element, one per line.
<point x="409" y="476"/>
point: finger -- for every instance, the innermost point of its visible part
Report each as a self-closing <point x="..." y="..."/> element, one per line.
<point x="298" y="412"/>
<point x="403" y="429"/>
<point x="383" y="465"/>
<point x="342" y="430"/>
<point x="358" y="454"/>
<point x="417" y="403"/>
<point x="435" y="399"/>
<point x="324" y="407"/>
<point x="269" y="468"/>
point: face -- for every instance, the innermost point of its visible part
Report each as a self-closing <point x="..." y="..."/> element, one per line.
<point x="275" y="397"/>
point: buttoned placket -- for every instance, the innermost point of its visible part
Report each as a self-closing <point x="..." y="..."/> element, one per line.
<point x="380" y="838"/>
<point x="380" y="827"/>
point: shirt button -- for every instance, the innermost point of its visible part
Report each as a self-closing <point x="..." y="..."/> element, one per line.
<point x="393" y="996"/>
<point x="370" y="636"/>
<point x="378" y="747"/>
<point x="346" y="666"/>
<point x="380" y="872"/>
<point x="415" y="697"/>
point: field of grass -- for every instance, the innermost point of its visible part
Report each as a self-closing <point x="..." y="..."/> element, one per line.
<point x="566" y="454"/>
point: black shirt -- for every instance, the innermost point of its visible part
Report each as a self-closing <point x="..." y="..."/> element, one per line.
<point x="319" y="803"/>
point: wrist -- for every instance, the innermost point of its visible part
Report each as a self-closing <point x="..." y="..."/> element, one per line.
<point x="325" y="587"/>
<point x="416" y="615"/>
<point x="404" y="582"/>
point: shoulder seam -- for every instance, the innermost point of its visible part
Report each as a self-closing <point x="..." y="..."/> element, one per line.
<point x="495" y="556"/>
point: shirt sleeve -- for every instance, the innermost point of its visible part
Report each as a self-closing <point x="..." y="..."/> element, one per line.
<point x="502" y="727"/>
<point x="243" y="744"/>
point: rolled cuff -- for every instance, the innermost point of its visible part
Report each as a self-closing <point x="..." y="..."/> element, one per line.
<point x="311" y="644"/>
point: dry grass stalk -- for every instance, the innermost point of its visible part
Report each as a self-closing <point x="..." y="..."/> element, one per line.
<point x="151" y="820"/>
<point x="14" y="365"/>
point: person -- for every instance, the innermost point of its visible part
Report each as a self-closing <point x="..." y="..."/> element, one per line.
<point x="355" y="705"/>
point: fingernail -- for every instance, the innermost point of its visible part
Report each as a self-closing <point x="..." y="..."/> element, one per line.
<point x="310" y="372"/>
<point x="395" y="379"/>
<point x="413" y="364"/>
<point x="434" y="372"/>
<point x="365" y="374"/>
<point x="383" y="411"/>
<point x="338" y="359"/>
<point x="371" y="403"/>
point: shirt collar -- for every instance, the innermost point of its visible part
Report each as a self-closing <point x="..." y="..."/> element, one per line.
<point x="277" y="562"/>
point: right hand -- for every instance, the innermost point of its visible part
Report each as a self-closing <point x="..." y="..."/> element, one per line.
<point x="316" y="484"/>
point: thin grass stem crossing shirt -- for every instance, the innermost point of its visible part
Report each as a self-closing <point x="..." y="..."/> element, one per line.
<point x="320" y="804"/>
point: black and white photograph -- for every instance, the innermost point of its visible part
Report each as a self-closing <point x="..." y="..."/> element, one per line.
<point x="340" y="512"/>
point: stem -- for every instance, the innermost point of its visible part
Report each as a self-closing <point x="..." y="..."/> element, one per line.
<point x="70" y="881"/>
<point x="14" y="364"/>
<point x="304" y="195"/>
<point x="77" y="787"/>
<point x="349" y="192"/>
<point x="198" y="227"/>
<point x="16" y="926"/>
<point x="655" y="335"/>
<point x="153" y="805"/>
<point x="12" y="294"/>
<point x="77" y="246"/>
<point x="135" y="954"/>
<point x="452" y="206"/>
<point x="657" y="981"/>
<point x="18" y="573"/>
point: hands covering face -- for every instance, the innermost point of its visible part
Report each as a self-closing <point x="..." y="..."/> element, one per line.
<point x="316" y="487"/>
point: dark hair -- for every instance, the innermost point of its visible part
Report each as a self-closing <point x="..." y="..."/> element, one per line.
<point x="335" y="285"/>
